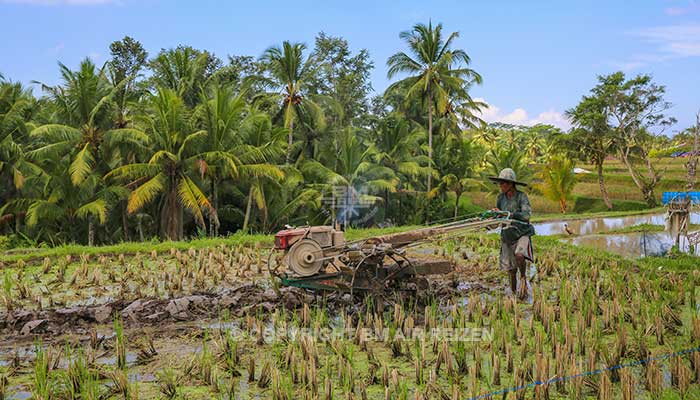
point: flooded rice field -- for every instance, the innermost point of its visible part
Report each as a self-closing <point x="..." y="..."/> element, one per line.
<point x="210" y="323"/>
<point x="595" y="233"/>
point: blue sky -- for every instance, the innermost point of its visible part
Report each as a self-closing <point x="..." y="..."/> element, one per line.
<point x="537" y="58"/>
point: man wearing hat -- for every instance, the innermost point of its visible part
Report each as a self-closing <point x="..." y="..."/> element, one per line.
<point x="516" y="246"/>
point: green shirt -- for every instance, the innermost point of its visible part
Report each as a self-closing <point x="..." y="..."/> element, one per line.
<point x="520" y="210"/>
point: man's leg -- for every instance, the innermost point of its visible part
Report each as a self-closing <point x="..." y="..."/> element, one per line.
<point x="522" y="252"/>
<point x="521" y="263"/>
<point x="507" y="261"/>
<point x="513" y="274"/>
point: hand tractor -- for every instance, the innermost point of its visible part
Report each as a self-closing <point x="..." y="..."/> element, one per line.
<point x="319" y="257"/>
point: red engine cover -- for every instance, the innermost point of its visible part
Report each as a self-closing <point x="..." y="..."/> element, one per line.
<point x="285" y="238"/>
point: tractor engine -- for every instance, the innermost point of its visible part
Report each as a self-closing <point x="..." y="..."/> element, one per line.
<point x="309" y="249"/>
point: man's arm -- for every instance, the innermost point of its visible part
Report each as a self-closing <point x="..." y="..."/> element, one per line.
<point x="525" y="209"/>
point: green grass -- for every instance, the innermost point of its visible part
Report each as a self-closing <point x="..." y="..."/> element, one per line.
<point x="237" y="239"/>
<point x="590" y="205"/>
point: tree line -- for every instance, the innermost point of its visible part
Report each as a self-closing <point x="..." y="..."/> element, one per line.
<point x="184" y="143"/>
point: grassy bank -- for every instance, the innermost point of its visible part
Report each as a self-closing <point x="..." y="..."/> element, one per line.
<point x="242" y="239"/>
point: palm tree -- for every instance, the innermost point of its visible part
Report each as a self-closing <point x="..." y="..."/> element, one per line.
<point x="60" y="203"/>
<point x="438" y="72"/>
<point x="82" y="109"/>
<point x="456" y="165"/>
<point x="263" y="138"/>
<point x="355" y="171"/>
<point x="15" y="108"/>
<point x="171" y="171"/>
<point x="185" y="70"/>
<point x="499" y="158"/>
<point x="289" y="73"/>
<point x="397" y="144"/>
<point x="221" y="117"/>
<point x="559" y="180"/>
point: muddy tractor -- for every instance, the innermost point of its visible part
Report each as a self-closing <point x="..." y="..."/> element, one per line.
<point x="320" y="258"/>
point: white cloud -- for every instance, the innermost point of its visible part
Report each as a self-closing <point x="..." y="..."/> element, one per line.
<point x="61" y="2"/>
<point x="519" y="116"/>
<point x="678" y="40"/>
<point x="668" y="43"/>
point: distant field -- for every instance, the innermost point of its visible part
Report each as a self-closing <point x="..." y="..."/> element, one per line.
<point x="586" y="195"/>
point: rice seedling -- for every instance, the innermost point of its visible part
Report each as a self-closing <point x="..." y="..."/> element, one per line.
<point x="120" y="343"/>
<point x="4" y="383"/>
<point x="147" y="352"/>
<point x="43" y="386"/>
<point x="120" y="385"/>
<point x="169" y="383"/>
<point x="654" y="379"/>
<point x="265" y="375"/>
<point x="7" y="292"/>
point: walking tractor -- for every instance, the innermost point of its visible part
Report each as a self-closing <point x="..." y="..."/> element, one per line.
<point x="319" y="257"/>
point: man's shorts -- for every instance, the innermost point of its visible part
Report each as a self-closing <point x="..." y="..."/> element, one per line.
<point x="521" y="246"/>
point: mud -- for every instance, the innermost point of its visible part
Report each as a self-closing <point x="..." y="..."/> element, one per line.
<point x="238" y="301"/>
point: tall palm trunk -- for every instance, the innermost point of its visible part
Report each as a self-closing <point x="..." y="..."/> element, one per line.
<point x="171" y="215"/>
<point x="91" y="231"/>
<point x="125" y="225"/>
<point x="214" y="223"/>
<point x="458" y="195"/>
<point x="430" y="139"/>
<point x="603" y="189"/>
<point x="290" y="137"/>
<point x="248" y="206"/>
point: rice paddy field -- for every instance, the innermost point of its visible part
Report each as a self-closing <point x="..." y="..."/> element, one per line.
<point x="623" y="193"/>
<point x="208" y="322"/>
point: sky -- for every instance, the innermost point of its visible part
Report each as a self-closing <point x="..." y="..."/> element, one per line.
<point x="537" y="57"/>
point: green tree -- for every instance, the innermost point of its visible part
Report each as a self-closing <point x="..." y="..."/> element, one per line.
<point x="397" y="144"/>
<point x="185" y="70"/>
<point x="258" y="132"/>
<point x="558" y="180"/>
<point x="634" y="107"/>
<point x="592" y="140"/>
<point x="499" y="158"/>
<point x="455" y="162"/>
<point x="437" y="72"/>
<point x="128" y="59"/>
<point x="172" y="168"/>
<point x="16" y="104"/>
<point x="225" y="151"/>
<point x="289" y="73"/>
<point x="354" y="169"/>
<point x="82" y="109"/>
<point x="343" y="77"/>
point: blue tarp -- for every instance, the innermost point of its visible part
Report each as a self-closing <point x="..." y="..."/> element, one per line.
<point x="668" y="196"/>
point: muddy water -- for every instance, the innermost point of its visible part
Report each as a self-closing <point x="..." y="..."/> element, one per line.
<point x="602" y="225"/>
<point x="590" y="233"/>
<point x="635" y="244"/>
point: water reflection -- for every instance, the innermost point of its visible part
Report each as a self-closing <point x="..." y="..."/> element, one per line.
<point x="599" y="225"/>
<point x="586" y="232"/>
<point x="634" y="244"/>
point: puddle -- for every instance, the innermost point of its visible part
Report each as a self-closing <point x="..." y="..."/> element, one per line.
<point x="598" y="225"/>
<point x="130" y="359"/>
<point x="634" y="244"/>
<point x="18" y="395"/>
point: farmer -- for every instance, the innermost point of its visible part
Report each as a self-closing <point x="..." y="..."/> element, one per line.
<point x="516" y="246"/>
